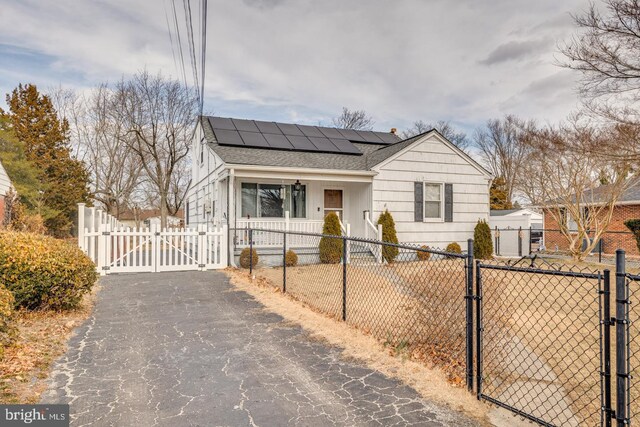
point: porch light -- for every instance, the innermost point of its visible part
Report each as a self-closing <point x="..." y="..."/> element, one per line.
<point x="297" y="185"/>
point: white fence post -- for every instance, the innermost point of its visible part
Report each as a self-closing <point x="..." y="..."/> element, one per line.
<point x="223" y="245"/>
<point x="202" y="246"/>
<point x="286" y="220"/>
<point x="81" y="226"/>
<point x="154" y="247"/>
<point x="101" y="250"/>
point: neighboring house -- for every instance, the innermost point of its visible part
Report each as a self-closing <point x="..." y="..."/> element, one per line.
<point x="147" y="217"/>
<point x="277" y="176"/>
<point x="617" y="236"/>
<point x="5" y="186"/>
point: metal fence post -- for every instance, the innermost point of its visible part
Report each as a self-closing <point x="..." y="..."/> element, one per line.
<point x="469" y="308"/>
<point x="622" y="344"/>
<point x="344" y="279"/>
<point x="530" y="243"/>
<point x="251" y="251"/>
<point x="284" y="262"/>
<point x="606" y="338"/>
<point x="479" y="330"/>
<point x="520" y="241"/>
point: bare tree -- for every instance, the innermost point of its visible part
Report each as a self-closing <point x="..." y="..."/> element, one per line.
<point x="158" y="118"/>
<point x="606" y="52"/>
<point x="458" y="138"/>
<point x="565" y="177"/>
<point x="353" y="119"/>
<point x="503" y="149"/>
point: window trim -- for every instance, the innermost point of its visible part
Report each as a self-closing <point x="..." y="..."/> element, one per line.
<point x="424" y="192"/>
<point x="274" y="218"/>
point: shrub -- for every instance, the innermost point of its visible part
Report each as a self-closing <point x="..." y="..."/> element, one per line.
<point x="246" y="260"/>
<point x="291" y="258"/>
<point x="634" y="226"/>
<point x="43" y="272"/>
<point x="454" y="248"/>
<point x="422" y="255"/>
<point x="331" y="248"/>
<point x="389" y="253"/>
<point x="482" y="243"/>
<point x="8" y="330"/>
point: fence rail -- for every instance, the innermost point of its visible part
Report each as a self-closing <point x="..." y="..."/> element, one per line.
<point x="553" y="343"/>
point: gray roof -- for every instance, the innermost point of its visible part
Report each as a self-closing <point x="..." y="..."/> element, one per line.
<point x="630" y="194"/>
<point x="503" y="212"/>
<point x="372" y="154"/>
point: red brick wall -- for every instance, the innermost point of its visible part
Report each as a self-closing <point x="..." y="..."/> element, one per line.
<point x="611" y="241"/>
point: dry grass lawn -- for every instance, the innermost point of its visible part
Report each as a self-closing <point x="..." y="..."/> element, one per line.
<point x="43" y="338"/>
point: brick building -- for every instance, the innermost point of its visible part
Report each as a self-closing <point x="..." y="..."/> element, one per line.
<point x="617" y="235"/>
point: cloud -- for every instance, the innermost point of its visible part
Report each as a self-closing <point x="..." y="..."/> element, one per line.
<point x="303" y="60"/>
<point x="516" y="50"/>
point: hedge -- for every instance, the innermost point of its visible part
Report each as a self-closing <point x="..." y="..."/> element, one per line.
<point x="634" y="226"/>
<point x="8" y="330"/>
<point x="247" y="261"/>
<point x="44" y="273"/>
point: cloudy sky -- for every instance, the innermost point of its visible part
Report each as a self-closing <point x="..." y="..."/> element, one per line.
<point x="302" y="60"/>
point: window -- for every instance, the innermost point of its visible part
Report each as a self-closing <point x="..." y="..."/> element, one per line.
<point x="272" y="200"/>
<point x="432" y="201"/>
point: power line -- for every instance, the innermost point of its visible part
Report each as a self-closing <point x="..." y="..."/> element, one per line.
<point x="204" y="52"/>
<point x="175" y="20"/>
<point x="192" y="47"/>
<point x="173" y="51"/>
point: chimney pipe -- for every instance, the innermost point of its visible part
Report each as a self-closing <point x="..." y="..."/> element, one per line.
<point x="394" y="130"/>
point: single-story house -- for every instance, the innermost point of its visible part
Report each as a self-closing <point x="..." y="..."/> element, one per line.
<point x="249" y="173"/>
<point x="617" y="236"/>
<point x="147" y="217"/>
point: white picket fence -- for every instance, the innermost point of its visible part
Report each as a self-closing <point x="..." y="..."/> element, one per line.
<point x="119" y="249"/>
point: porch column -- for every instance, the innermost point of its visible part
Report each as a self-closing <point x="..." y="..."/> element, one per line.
<point x="231" y="214"/>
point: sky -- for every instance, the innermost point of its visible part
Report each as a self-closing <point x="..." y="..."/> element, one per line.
<point x="301" y="61"/>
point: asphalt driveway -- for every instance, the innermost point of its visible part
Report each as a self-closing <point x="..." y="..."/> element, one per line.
<point x="186" y="349"/>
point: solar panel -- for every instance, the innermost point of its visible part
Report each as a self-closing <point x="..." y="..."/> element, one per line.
<point x="268" y="127"/>
<point x="253" y="139"/>
<point x="221" y="123"/>
<point x="351" y="135"/>
<point x="323" y="144"/>
<point x="330" y="132"/>
<point x="288" y="129"/>
<point x="369" y="136"/>
<point x="246" y="125"/>
<point x="345" y="146"/>
<point x="311" y="131"/>
<point x="387" y="137"/>
<point x="278" y="141"/>
<point x="228" y="137"/>
<point x="301" y="143"/>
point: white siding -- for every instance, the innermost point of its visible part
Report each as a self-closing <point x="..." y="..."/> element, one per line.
<point x="5" y="183"/>
<point x="432" y="160"/>
<point x="203" y="190"/>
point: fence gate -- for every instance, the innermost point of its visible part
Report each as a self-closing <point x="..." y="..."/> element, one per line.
<point x="128" y="250"/>
<point x="540" y="335"/>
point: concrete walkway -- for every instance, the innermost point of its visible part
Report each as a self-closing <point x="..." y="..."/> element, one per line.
<point x="185" y="349"/>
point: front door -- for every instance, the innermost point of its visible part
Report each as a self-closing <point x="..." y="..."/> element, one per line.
<point x="333" y="202"/>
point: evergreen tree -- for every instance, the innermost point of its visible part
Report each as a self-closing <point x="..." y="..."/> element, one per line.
<point x="389" y="253"/>
<point x="46" y="145"/>
<point x="482" y="243"/>
<point x="498" y="195"/>
<point x="331" y="248"/>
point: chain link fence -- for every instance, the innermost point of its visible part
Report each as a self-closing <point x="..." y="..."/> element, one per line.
<point x="414" y="301"/>
<point x="554" y="342"/>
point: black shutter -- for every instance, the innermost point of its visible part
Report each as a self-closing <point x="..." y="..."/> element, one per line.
<point x="419" y="202"/>
<point x="448" y="203"/>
